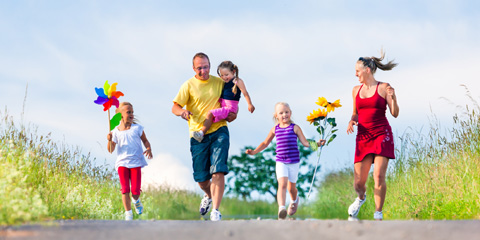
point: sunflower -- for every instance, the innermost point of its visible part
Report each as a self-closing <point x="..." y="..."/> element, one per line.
<point x="316" y="114"/>
<point x="322" y="101"/>
<point x="331" y="106"/>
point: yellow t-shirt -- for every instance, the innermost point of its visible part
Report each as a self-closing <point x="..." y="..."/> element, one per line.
<point x="199" y="97"/>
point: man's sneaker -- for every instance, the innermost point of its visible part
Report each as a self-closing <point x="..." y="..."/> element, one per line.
<point x="129" y="215"/>
<point x="197" y="135"/>
<point x="378" y="215"/>
<point x="215" y="215"/>
<point x="282" y="213"/>
<point x="292" y="208"/>
<point x="355" y="207"/>
<point x="205" y="205"/>
<point x="138" y="206"/>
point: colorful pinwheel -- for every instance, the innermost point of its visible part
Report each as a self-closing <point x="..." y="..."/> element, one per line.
<point x="108" y="96"/>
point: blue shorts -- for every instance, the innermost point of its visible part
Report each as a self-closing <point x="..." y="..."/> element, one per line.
<point x="210" y="156"/>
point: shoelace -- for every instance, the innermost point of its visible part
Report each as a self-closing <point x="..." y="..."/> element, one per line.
<point x="357" y="202"/>
<point x="205" y="202"/>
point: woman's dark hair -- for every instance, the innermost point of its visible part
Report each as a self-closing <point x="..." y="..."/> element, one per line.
<point x="233" y="68"/>
<point x="373" y="63"/>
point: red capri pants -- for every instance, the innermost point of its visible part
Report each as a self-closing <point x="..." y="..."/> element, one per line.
<point x="133" y="175"/>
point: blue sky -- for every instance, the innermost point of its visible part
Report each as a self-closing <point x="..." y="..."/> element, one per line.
<point x="291" y="51"/>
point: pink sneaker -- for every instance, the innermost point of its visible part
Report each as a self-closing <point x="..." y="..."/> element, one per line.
<point x="292" y="208"/>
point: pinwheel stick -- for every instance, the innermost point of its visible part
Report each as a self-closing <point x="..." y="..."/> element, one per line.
<point x="109" y="127"/>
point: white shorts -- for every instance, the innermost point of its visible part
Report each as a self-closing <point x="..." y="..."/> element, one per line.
<point x="287" y="170"/>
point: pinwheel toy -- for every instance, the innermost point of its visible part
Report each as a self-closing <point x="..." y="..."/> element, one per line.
<point x="108" y="96"/>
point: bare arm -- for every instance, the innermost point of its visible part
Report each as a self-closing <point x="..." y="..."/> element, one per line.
<point x="392" y="100"/>
<point x="179" y="111"/>
<point x="263" y="144"/>
<point x="111" y="145"/>
<point x="146" y="143"/>
<point x="242" y="87"/>
<point x="354" y="118"/>
<point x="300" y="136"/>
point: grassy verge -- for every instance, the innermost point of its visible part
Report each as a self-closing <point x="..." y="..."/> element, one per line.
<point x="44" y="180"/>
<point x="435" y="176"/>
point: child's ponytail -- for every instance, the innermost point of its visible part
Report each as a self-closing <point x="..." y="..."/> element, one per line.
<point x="234" y="89"/>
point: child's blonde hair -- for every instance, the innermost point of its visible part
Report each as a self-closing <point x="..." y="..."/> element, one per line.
<point x="135" y="120"/>
<point x="275" y="119"/>
<point x="233" y="68"/>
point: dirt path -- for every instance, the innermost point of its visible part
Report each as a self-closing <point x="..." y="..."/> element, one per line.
<point x="246" y="229"/>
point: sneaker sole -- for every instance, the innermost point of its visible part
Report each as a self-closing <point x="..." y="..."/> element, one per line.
<point x="282" y="214"/>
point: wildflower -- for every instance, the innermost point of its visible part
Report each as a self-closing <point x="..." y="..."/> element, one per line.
<point x="318" y="114"/>
<point x="322" y="101"/>
<point x="325" y="127"/>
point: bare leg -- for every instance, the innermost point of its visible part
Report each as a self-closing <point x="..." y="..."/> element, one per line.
<point x="136" y="197"/>
<point x="205" y="186"/>
<point x="292" y="189"/>
<point x="207" y="123"/>
<point x="127" y="203"/>
<point x="282" y="191"/>
<point x="379" y="173"/>
<point x="361" y="170"/>
<point x="217" y="187"/>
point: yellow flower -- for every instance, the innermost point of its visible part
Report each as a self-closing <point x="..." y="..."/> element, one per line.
<point x="326" y="104"/>
<point x="316" y="114"/>
<point x="331" y="106"/>
<point x="322" y="102"/>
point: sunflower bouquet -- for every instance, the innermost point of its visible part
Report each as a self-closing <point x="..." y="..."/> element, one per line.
<point x="326" y="127"/>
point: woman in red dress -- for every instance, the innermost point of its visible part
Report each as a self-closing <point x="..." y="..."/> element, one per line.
<point x="374" y="142"/>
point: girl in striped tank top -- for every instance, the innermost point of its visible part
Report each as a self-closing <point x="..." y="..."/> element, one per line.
<point x="287" y="157"/>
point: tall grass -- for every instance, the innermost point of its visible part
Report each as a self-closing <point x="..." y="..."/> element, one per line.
<point x="435" y="176"/>
<point x="45" y="180"/>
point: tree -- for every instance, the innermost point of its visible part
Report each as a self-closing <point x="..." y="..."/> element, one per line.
<point x="257" y="173"/>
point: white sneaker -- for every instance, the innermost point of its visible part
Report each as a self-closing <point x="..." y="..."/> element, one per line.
<point x="205" y="205"/>
<point x="138" y="206"/>
<point x="215" y="215"/>
<point x="355" y="206"/>
<point x="378" y="215"/>
<point x="282" y="213"/>
<point x="197" y="135"/>
<point x="129" y="215"/>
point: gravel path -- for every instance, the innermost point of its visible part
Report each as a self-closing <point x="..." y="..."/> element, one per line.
<point x="245" y="229"/>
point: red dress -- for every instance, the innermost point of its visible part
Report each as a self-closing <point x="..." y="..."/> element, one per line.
<point x="374" y="134"/>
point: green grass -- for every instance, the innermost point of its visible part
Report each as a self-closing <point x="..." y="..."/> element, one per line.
<point x="435" y="176"/>
<point x="44" y="180"/>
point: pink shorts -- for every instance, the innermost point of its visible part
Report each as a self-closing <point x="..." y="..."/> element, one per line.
<point x="228" y="106"/>
<point x="133" y="175"/>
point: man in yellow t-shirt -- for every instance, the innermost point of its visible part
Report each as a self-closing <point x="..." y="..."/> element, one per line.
<point x="199" y="95"/>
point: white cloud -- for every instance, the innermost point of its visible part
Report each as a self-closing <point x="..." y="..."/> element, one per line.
<point x="292" y="60"/>
<point x="165" y="170"/>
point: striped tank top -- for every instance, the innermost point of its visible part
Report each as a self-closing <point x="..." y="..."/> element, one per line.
<point x="287" y="147"/>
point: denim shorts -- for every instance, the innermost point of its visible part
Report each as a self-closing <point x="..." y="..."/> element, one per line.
<point x="210" y="156"/>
